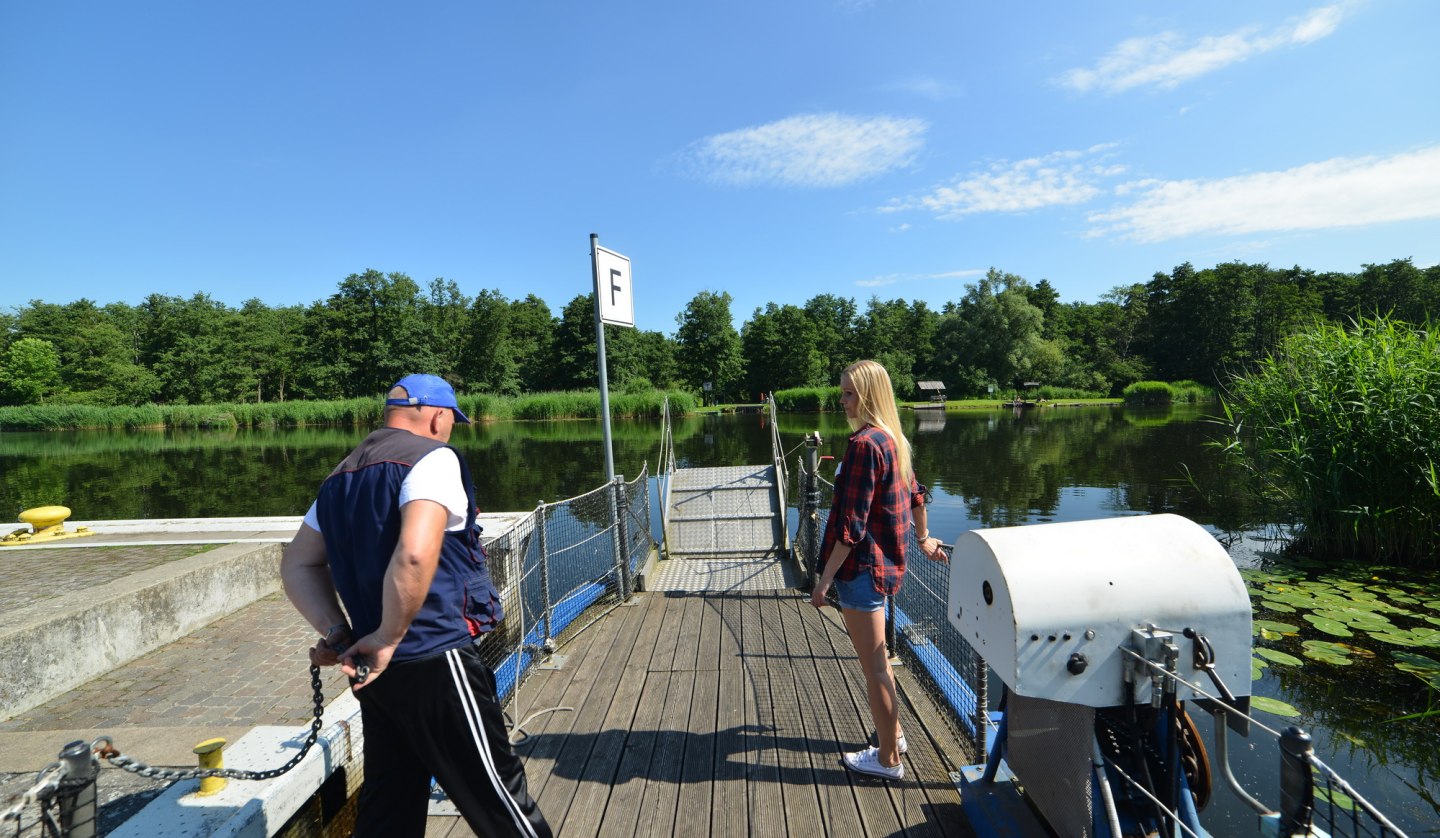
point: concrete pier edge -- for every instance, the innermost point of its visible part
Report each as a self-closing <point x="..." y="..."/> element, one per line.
<point x="58" y="644"/>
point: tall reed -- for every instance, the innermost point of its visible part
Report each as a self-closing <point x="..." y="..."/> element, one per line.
<point x="1149" y="392"/>
<point x="1342" y="427"/>
<point x="808" y="400"/>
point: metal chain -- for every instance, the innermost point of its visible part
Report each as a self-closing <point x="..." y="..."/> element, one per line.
<point x="104" y="747"/>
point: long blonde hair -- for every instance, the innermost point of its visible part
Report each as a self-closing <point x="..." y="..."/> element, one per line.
<point x="877" y="407"/>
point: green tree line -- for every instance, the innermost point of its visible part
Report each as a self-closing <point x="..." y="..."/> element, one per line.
<point x="1201" y="324"/>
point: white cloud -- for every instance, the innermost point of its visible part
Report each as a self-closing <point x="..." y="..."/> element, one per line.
<point x="1165" y="60"/>
<point x="1332" y="194"/>
<point x="891" y="279"/>
<point x="807" y="150"/>
<point x="1055" y="179"/>
<point x="927" y="87"/>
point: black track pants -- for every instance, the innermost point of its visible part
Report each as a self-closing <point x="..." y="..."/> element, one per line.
<point x="439" y="717"/>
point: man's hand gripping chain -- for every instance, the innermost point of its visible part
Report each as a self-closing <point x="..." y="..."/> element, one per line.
<point x="338" y="645"/>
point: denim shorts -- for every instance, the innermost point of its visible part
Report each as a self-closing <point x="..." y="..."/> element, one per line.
<point x="859" y="594"/>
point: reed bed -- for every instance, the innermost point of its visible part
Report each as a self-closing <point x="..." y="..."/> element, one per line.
<point x="808" y="400"/>
<point x="365" y="412"/>
<point x="1341" y="425"/>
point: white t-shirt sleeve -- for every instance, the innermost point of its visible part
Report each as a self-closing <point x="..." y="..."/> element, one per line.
<point x="437" y="477"/>
<point x="311" y="519"/>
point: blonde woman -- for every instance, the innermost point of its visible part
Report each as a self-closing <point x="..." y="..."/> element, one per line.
<point x="877" y="500"/>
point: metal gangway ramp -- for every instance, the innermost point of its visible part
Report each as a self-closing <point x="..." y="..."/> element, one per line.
<point x="725" y="527"/>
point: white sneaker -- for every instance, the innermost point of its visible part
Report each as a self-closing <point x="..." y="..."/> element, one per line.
<point x="868" y="762"/>
<point x="904" y="749"/>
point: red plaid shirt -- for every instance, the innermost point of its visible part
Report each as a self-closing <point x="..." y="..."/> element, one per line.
<point x="871" y="511"/>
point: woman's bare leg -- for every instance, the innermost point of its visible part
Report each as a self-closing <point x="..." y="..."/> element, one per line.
<point x="867" y="635"/>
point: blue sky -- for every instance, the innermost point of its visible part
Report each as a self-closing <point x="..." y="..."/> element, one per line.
<point x="775" y="150"/>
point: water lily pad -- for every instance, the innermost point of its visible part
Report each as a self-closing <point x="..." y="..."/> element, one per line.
<point x="1337" y="654"/>
<point x="1296" y="598"/>
<point x="1435" y="620"/>
<point x="1426" y="636"/>
<point x="1330" y="627"/>
<point x="1413" y="662"/>
<point x="1267" y="634"/>
<point x="1335" y="797"/>
<point x="1272" y="706"/>
<point x="1272" y="625"/>
<point x="1433" y="604"/>
<point x="1277" y="656"/>
<point x="1278" y="607"/>
<point x="1424" y="668"/>
<point x="1355" y="618"/>
<point x="1395" y="638"/>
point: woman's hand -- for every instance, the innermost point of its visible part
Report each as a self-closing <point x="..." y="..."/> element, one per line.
<point x="817" y="595"/>
<point x="930" y="546"/>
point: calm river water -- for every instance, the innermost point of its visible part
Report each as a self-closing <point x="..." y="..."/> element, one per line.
<point x="987" y="469"/>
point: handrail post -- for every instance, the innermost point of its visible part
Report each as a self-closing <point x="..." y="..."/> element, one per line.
<point x="77" y="791"/>
<point x="1297" y="783"/>
<point x="622" y="535"/>
<point x="810" y="510"/>
<point x="982" y="702"/>
<point x="542" y="516"/>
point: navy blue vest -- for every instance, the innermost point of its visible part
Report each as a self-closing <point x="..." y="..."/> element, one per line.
<point x="359" y="513"/>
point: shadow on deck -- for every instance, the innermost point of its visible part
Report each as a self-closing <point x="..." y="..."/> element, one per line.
<point x="723" y="714"/>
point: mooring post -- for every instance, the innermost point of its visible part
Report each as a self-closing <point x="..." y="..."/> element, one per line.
<point x="77" y="791"/>
<point x="1297" y="783"/>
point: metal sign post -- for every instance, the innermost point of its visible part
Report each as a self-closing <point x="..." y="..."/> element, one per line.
<point x="614" y="303"/>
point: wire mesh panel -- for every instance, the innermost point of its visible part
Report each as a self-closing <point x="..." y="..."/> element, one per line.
<point x="558" y="563"/>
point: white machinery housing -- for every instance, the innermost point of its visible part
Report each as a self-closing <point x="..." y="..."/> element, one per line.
<point x="1049" y="606"/>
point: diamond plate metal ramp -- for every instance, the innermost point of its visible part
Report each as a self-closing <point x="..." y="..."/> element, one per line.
<point x="729" y="512"/>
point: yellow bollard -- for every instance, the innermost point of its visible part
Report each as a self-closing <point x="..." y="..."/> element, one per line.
<point x="47" y="523"/>
<point x="211" y="757"/>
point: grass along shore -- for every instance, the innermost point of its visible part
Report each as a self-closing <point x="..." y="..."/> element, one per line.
<point x="351" y="412"/>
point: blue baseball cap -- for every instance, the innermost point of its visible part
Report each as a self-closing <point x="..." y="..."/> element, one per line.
<point x="428" y="390"/>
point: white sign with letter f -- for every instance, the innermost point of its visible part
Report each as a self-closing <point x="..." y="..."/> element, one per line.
<point x="613" y="290"/>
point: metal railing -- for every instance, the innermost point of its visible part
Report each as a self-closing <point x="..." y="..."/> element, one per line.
<point x="557" y="564"/>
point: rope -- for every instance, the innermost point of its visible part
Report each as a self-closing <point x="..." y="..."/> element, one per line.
<point x="47" y="783"/>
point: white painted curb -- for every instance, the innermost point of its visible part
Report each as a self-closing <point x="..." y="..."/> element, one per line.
<point x="255" y="809"/>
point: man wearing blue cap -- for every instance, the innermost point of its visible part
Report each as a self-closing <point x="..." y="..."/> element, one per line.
<point x="392" y="535"/>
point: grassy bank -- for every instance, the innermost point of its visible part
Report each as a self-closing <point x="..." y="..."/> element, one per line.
<point x="348" y="412"/>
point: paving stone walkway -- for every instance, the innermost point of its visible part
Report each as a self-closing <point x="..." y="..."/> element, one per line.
<point x="245" y="669"/>
<point x="31" y="576"/>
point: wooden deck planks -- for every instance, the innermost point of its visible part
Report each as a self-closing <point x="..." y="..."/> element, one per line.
<point x="596" y="778"/>
<point x="724" y="715"/>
